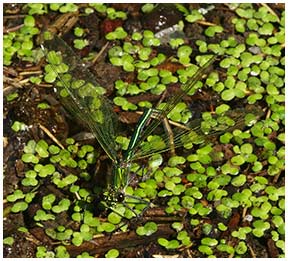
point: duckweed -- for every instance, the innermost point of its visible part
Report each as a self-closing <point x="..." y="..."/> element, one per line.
<point x="222" y="227"/>
<point x="241" y="248"/>
<point x="184" y="53"/>
<point x="119" y="33"/>
<point x="184" y="238"/>
<point x="28" y="157"/>
<point x="80" y="44"/>
<point x="8" y="241"/>
<point x="205" y="250"/>
<point x="64" y="8"/>
<point x="43" y="253"/>
<point x="212" y="30"/>
<point x="148" y="229"/>
<point x="18" y="126"/>
<point x="19" y="206"/>
<point x="41" y="215"/>
<point x="47" y="201"/>
<point x="77" y="239"/>
<point x="17" y="194"/>
<point x="207" y="228"/>
<point x="194" y="16"/>
<point x="61" y="252"/>
<point x="113" y="14"/>
<point x="112" y="253"/>
<point x="223" y="247"/>
<point x="172" y="244"/>
<point x="260" y="227"/>
<point x="63" y="205"/>
<point x="114" y="218"/>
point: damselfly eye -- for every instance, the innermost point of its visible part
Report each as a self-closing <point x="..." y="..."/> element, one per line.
<point x="120" y="197"/>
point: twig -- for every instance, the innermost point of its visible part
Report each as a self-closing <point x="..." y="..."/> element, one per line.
<point x="276" y="177"/>
<point x="251" y="251"/>
<point x="12" y="29"/>
<point x="102" y="244"/>
<point x="100" y="53"/>
<point x="203" y="22"/>
<point x="30" y="72"/>
<point x="5" y="17"/>
<point x="51" y="136"/>
<point x="22" y="82"/>
<point x="165" y="256"/>
<point x="11" y="82"/>
<point x="170" y="135"/>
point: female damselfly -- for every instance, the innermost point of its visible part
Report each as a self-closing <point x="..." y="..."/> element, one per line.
<point x="83" y="97"/>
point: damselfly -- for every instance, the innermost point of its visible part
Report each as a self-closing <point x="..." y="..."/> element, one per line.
<point x="82" y="95"/>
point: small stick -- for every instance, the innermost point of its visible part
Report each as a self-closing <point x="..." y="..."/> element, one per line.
<point x="170" y="135"/>
<point x="203" y="22"/>
<point x="251" y="251"/>
<point x="22" y="82"/>
<point x="100" y="53"/>
<point x="51" y="136"/>
<point x="30" y="72"/>
<point x="12" y="29"/>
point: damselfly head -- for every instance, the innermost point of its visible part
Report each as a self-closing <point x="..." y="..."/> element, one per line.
<point x="111" y="197"/>
<point x="120" y="197"/>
